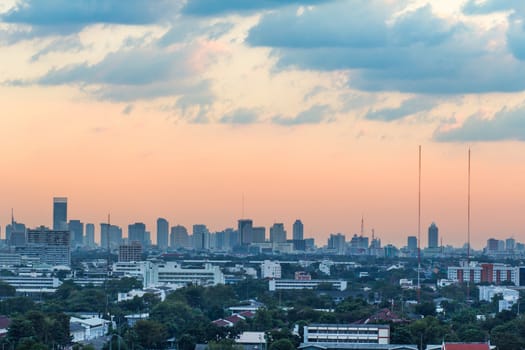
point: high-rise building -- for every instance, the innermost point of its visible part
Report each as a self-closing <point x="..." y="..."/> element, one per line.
<point x="90" y="235"/>
<point x="245" y="228"/>
<point x="492" y="244"/>
<point x="137" y="232"/>
<point x="59" y="213"/>
<point x="258" y="234"/>
<point x="110" y="236"/>
<point x="298" y="230"/>
<point x="201" y="237"/>
<point x="15" y="234"/>
<point x="412" y="243"/>
<point x="130" y="252"/>
<point x="179" y="238"/>
<point x="433" y="236"/>
<point x="277" y="233"/>
<point x="223" y="239"/>
<point x="162" y="233"/>
<point x="51" y="246"/>
<point x="337" y="242"/>
<point x="76" y="228"/>
<point x="510" y="244"/>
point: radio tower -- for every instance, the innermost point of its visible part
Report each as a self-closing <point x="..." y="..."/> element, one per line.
<point x="419" y="232"/>
<point x="468" y="229"/>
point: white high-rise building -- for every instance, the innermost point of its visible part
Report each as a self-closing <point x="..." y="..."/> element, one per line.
<point x="270" y="269"/>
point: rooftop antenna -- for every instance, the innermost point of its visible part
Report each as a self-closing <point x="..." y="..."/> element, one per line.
<point x="362" y="225"/>
<point x="242" y="206"/>
<point x="419" y="232"/>
<point x="468" y="229"/>
<point x="12" y="219"/>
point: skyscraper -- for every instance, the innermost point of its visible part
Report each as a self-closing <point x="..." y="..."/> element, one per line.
<point x="162" y="233"/>
<point x="277" y="233"/>
<point x="179" y="237"/>
<point x="90" y="235"/>
<point x="59" y="213"/>
<point x="245" y="231"/>
<point x="412" y="243"/>
<point x="200" y="237"/>
<point x="433" y="236"/>
<point x="76" y="229"/>
<point x="110" y="236"/>
<point x="298" y="230"/>
<point x="137" y="232"/>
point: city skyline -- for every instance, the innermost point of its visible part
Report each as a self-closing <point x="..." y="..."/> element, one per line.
<point x="179" y="109"/>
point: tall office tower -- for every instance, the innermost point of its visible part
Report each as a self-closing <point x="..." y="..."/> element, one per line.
<point x="492" y="244"/>
<point x="162" y="233"/>
<point x="245" y="228"/>
<point x="76" y="229"/>
<point x="223" y="239"/>
<point x="90" y="235"/>
<point x="179" y="238"/>
<point x="433" y="236"/>
<point x="277" y="233"/>
<point x="510" y="244"/>
<point x="200" y="237"/>
<point x="298" y="230"/>
<point x="130" y="252"/>
<point x="137" y="232"/>
<point x="14" y="232"/>
<point x="337" y="242"/>
<point x="258" y="235"/>
<point x="110" y="236"/>
<point x="412" y="243"/>
<point x="60" y="213"/>
<point x="51" y="246"/>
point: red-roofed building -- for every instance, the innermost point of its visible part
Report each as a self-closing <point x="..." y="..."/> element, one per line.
<point x="4" y="325"/>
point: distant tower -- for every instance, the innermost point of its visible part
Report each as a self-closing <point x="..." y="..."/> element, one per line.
<point x="433" y="236"/>
<point x="277" y="233"/>
<point x="245" y="228"/>
<point x="76" y="229"/>
<point x="412" y="243"/>
<point x="162" y="233"/>
<point x="298" y="230"/>
<point x="90" y="235"/>
<point x="60" y="213"/>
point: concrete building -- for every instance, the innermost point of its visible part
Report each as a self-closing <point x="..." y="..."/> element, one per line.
<point x="110" y="236"/>
<point x="89" y="240"/>
<point x="298" y="230"/>
<point x="60" y="213"/>
<point x="130" y="252"/>
<point x="337" y="243"/>
<point x="35" y="284"/>
<point x="51" y="246"/>
<point x="433" y="236"/>
<point x="286" y="284"/>
<point x="509" y="296"/>
<point x="162" y="233"/>
<point x="179" y="238"/>
<point x="277" y="233"/>
<point x="137" y="233"/>
<point x="270" y="269"/>
<point x="245" y="231"/>
<point x="347" y="333"/>
<point x="76" y="229"/>
<point x="485" y="272"/>
<point x="258" y="235"/>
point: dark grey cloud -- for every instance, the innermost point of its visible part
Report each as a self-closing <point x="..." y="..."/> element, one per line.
<point x="314" y="115"/>
<point x="221" y="7"/>
<point x="416" y="52"/>
<point x="240" y="116"/>
<point x="408" y="107"/>
<point x="507" y="124"/>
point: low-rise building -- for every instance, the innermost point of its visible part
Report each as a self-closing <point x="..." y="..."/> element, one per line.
<point x="270" y="269"/>
<point x="285" y="284"/>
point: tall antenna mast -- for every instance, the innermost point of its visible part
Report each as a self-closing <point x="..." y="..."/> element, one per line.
<point x="419" y="232"/>
<point x="468" y="229"/>
<point x="362" y="225"/>
<point x="242" y="206"/>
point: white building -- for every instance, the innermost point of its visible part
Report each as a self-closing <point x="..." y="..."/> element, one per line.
<point x="510" y="296"/>
<point x="94" y="327"/>
<point x="274" y="285"/>
<point x="347" y="333"/>
<point x="325" y="265"/>
<point x="270" y="269"/>
<point x="33" y="283"/>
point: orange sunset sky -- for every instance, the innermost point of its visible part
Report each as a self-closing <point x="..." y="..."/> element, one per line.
<point x="311" y="109"/>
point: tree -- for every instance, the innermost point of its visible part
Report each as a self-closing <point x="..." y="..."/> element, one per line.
<point x="282" y="344"/>
<point x="150" y="334"/>
<point x="6" y="290"/>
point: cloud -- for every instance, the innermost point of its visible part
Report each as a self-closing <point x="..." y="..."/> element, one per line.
<point x="507" y="124"/>
<point x="128" y="109"/>
<point x="220" y="7"/>
<point x="408" y="107"/>
<point x="415" y="52"/>
<point x="476" y="7"/>
<point x="314" y="115"/>
<point x="63" y="44"/>
<point x="241" y="117"/>
<point x="68" y="16"/>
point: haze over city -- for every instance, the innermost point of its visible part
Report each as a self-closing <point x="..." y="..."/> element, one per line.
<point x="310" y="110"/>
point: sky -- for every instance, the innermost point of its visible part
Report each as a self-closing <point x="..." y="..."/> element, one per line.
<point x="310" y="109"/>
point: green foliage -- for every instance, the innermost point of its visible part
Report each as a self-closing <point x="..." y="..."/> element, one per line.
<point x="150" y="334"/>
<point x="6" y="290"/>
<point x="282" y="344"/>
